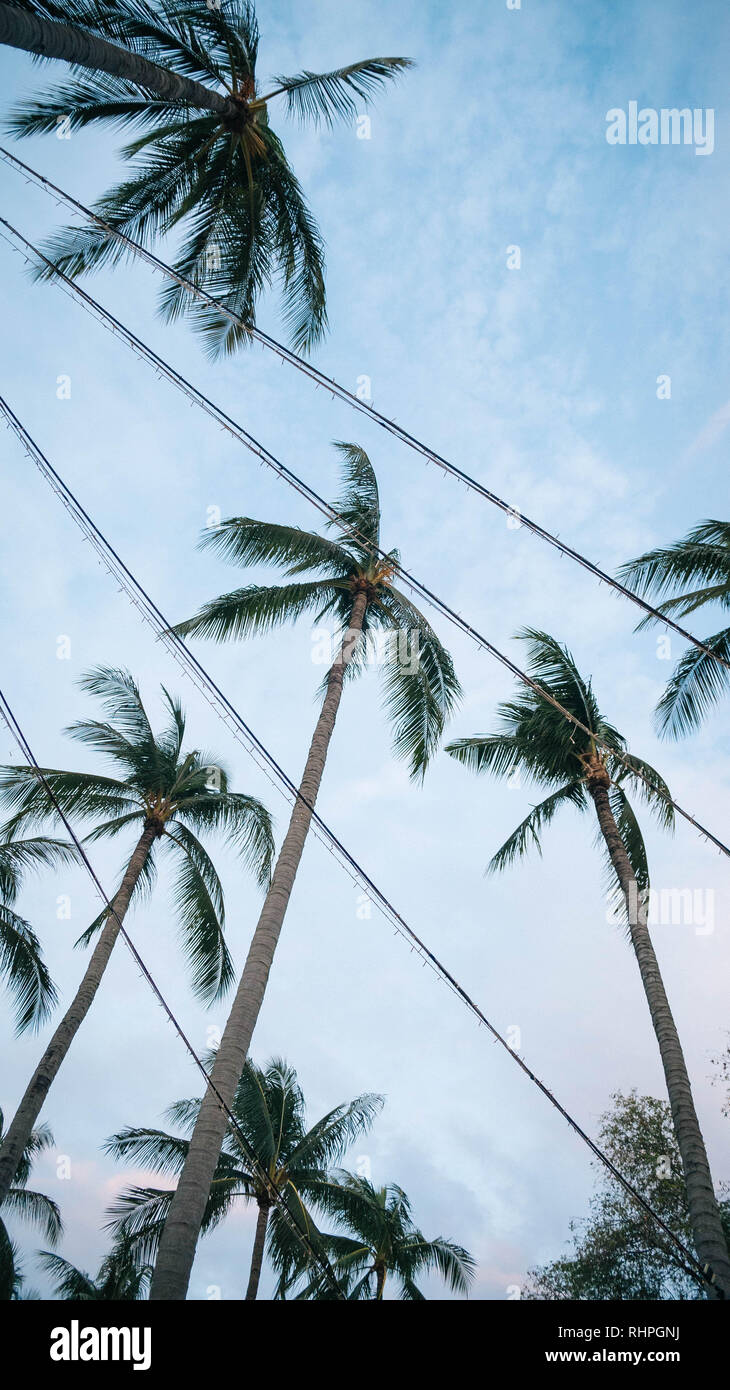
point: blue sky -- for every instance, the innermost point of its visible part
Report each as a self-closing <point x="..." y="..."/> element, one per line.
<point x="542" y="382"/>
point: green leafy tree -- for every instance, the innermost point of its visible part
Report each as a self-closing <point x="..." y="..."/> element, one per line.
<point x="618" y="1252"/>
<point x="693" y="573"/>
<point x="355" y="588"/>
<point x="120" y="1278"/>
<point x="383" y="1243"/>
<point x="535" y="739"/>
<point x="270" y="1112"/>
<point x="166" y="796"/>
<point x="21" y="958"/>
<point x="208" y="163"/>
<point x="29" y="1206"/>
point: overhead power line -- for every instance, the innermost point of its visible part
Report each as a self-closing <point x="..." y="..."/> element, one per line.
<point x="365" y="408"/>
<point x="319" y="1258"/>
<point x="299" y="485"/>
<point x="225" y="710"/>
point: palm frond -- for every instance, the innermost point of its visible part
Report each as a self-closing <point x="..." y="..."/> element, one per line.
<point x="243" y="820"/>
<point x="78" y="794"/>
<point x="326" y="1142"/>
<point x="420" y="691"/>
<point x="242" y="540"/>
<point x="528" y="832"/>
<point x="495" y="753"/>
<point x="202" y="926"/>
<point x="695" y="686"/>
<point x="25" y="972"/>
<point x="702" y="556"/>
<point x="37" y="1209"/>
<point x="69" y="1281"/>
<point x="331" y="96"/>
<point x="358" y="505"/>
<point x="17" y="857"/>
<point x="648" y="784"/>
<point x="254" y="610"/>
<point x="455" y="1265"/>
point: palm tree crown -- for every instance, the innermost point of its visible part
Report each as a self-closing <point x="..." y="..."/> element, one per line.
<point x="21" y="958"/>
<point x="225" y="178"/>
<point x="420" y="685"/>
<point x="536" y="740"/>
<point x="385" y="1243"/>
<point x="270" y="1114"/>
<point x="686" y="576"/>
<point x="169" y="792"/>
<point x="120" y="1278"/>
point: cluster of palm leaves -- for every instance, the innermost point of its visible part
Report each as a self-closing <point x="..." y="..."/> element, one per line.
<point x="268" y="1149"/>
<point x="222" y="177"/>
<point x="208" y="169"/>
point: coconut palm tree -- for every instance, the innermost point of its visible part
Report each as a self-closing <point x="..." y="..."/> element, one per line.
<point x="689" y="575"/>
<point x="166" y="796"/>
<point x="270" y="1113"/>
<point x="120" y="1278"/>
<point x="384" y="1244"/>
<point x="354" y="586"/>
<point x="29" y="1206"/>
<point x="21" y="958"/>
<point x="534" y="739"/>
<point x="208" y="161"/>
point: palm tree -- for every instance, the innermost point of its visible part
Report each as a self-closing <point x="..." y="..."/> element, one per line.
<point x="354" y="586"/>
<point x="120" y="1278"/>
<point x="270" y="1113"/>
<point x="694" y="572"/>
<point x="168" y="796"/>
<point x="384" y="1244"/>
<point x="29" y="1206"/>
<point x="208" y="158"/>
<point x="593" y="771"/>
<point x="21" y="957"/>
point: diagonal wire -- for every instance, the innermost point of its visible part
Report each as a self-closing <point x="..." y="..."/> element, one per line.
<point x="230" y="715"/>
<point x="9" y="719"/>
<point x="299" y="485"/>
<point x="365" y="408"/>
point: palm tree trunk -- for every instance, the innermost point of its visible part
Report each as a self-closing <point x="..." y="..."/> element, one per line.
<point x="257" y="1258"/>
<point x="704" y="1216"/>
<point x="48" y="39"/>
<point x="182" y="1227"/>
<point x="380" y="1275"/>
<point x="20" y="1130"/>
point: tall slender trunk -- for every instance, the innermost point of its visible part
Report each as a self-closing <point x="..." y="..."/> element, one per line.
<point x="19" y="1131"/>
<point x="50" y="39"/>
<point x="380" y="1275"/>
<point x="257" y="1257"/>
<point x="704" y="1215"/>
<point x="182" y="1227"/>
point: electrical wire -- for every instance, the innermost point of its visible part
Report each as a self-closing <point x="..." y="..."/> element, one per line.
<point x="220" y="703"/>
<point x="9" y="719"/>
<point x="366" y="408"/>
<point x="299" y="485"/>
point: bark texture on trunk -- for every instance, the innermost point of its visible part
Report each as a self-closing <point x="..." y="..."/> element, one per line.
<point x="380" y="1275"/>
<point x="182" y="1227"/>
<point x="50" y="39"/>
<point x="19" y="1131"/>
<point x="257" y="1257"/>
<point x="705" y="1219"/>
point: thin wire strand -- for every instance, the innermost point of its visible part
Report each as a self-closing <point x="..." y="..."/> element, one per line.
<point x="304" y="489"/>
<point x="366" y="408"/>
<point x="11" y="722"/>
<point x="233" y="720"/>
